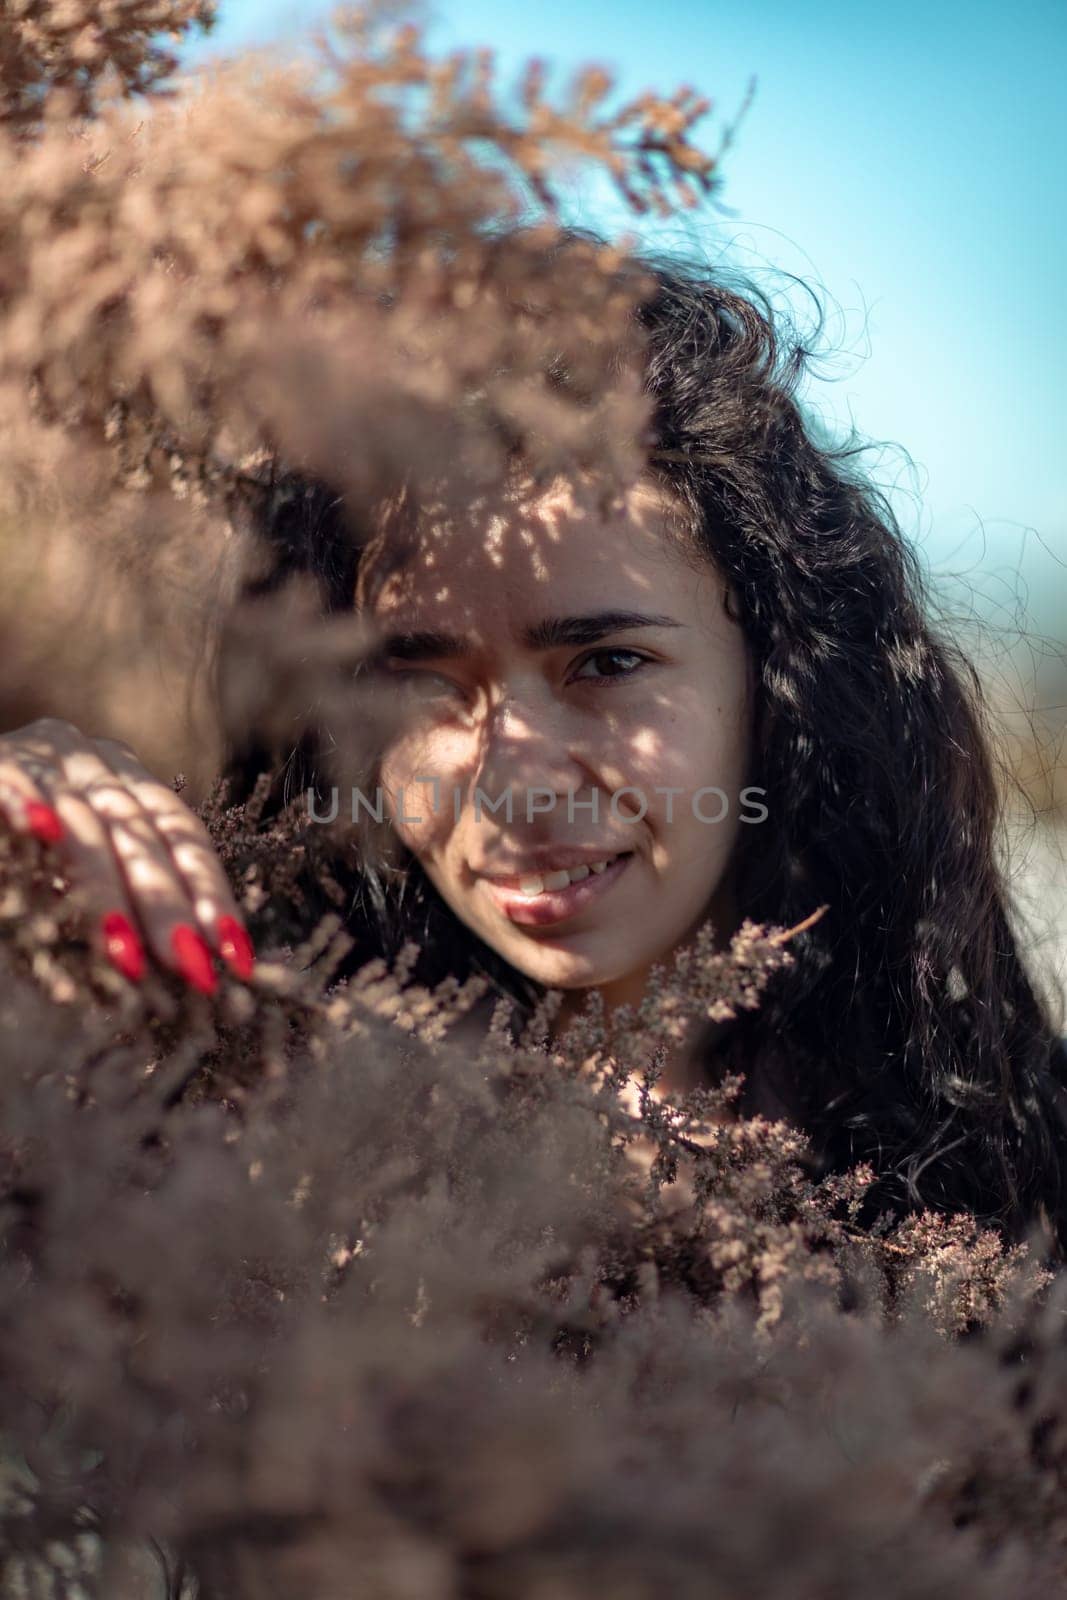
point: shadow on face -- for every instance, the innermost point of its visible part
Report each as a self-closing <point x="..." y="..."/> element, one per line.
<point x="570" y="737"/>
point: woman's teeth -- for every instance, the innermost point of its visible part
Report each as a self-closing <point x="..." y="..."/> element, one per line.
<point x="559" y="880"/>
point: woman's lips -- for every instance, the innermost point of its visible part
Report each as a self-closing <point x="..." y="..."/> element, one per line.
<point x="554" y="905"/>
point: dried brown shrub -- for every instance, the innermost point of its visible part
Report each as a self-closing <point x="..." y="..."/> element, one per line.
<point x="341" y="1285"/>
<point x="72" y="47"/>
<point x="314" y="262"/>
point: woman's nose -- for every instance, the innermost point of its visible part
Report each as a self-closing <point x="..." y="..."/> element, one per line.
<point x="528" y="744"/>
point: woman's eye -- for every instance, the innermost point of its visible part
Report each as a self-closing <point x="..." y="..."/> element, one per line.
<point x="424" y="684"/>
<point x="426" y="693"/>
<point x="607" y="664"/>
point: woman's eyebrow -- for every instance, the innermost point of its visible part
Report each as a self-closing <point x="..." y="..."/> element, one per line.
<point x="555" y="631"/>
<point x="430" y="644"/>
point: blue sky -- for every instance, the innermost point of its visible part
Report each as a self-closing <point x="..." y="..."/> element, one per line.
<point x="906" y="159"/>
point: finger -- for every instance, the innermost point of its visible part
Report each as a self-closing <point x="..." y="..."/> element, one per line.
<point x="160" y="897"/>
<point x="193" y="854"/>
<point x="120" y="863"/>
<point x="24" y="808"/>
<point x="83" y="845"/>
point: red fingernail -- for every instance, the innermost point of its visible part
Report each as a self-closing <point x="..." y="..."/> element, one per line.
<point x="236" y="947"/>
<point x="43" y="822"/>
<point x="193" y="958"/>
<point x="123" y="948"/>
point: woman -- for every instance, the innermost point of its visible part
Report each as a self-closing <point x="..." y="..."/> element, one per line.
<point x="720" y="699"/>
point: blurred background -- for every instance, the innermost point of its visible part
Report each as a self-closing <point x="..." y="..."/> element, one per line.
<point x="906" y="162"/>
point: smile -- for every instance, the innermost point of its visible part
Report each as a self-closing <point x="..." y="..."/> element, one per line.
<point x="538" y="900"/>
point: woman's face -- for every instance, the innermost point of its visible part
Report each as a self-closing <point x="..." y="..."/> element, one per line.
<point x="574" y="733"/>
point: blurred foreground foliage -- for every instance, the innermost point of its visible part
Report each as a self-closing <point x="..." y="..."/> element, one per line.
<point x="345" y="263"/>
<point x="324" y="1288"/>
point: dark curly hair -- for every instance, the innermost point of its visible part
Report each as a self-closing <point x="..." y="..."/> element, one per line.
<point x="908" y="1032"/>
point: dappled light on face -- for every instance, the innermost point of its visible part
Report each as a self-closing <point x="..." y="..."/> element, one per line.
<point x="574" y="693"/>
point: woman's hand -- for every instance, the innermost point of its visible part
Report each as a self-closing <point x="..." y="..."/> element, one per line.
<point x="145" y="861"/>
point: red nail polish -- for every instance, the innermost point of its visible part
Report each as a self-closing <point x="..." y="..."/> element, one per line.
<point x="43" y="822"/>
<point x="123" y="948"/>
<point x="236" y="947"/>
<point x="193" y="958"/>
